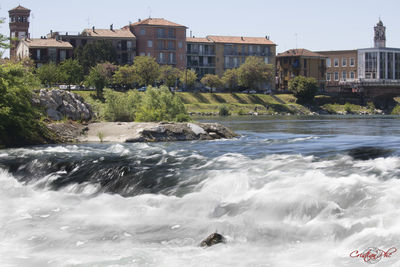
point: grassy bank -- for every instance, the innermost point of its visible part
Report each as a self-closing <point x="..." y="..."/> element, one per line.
<point x="241" y="104"/>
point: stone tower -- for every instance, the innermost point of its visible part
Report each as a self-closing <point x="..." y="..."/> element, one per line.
<point x="380" y="35"/>
<point x="19" y="27"/>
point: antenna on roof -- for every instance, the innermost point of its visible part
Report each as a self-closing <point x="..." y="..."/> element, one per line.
<point x="149" y="8"/>
<point x="88" y="22"/>
<point x="296" y="35"/>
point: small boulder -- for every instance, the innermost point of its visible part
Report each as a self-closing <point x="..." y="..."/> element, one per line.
<point x="212" y="240"/>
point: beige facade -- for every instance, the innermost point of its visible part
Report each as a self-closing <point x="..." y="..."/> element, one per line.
<point x="299" y="62"/>
<point x="43" y="51"/>
<point x="341" y="65"/>
<point x="201" y="56"/>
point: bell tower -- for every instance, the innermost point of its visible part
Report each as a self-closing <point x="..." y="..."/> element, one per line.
<point x="380" y="35"/>
<point x="19" y="27"/>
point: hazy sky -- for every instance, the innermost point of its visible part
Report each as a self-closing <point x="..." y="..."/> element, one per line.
<point x="318" y="24"/>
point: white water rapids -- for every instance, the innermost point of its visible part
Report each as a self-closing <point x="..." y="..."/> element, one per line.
<point x="278" y="209"/>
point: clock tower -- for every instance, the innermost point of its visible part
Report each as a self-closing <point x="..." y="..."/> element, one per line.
<point x="380" y="35"/>
<point x="19" y="27"/>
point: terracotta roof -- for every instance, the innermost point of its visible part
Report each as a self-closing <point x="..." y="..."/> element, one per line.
<point x="240" y="40"/>
<point x="157" y="22"/>
<point x="51" y="42"/>
<point x="19" y="7"/>
<point x="299" y="53"/>
<point x="107" y="33"/>
<point x="197" y="40"/>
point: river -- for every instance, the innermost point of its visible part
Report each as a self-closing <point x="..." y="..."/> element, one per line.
<point x="290" y="191"/>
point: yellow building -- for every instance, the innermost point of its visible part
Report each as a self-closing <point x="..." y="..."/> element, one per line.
<point x="299" y="62"/>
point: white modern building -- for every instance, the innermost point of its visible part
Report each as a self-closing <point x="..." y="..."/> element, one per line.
<point x="379" y="63"/>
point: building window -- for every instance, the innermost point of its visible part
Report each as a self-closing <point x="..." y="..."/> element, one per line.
<point x="129" y="45"/>
<point x="352" y="62"/>
<point x="336" y="62"/>
<point x="336" y="76"/>
<point x="328" y="77"/>
<point x="13" y="35"/>
<point x="344" y="62"/>
<point x="142" y="54"/>
<point x="180" y="45"/>
<point x="142" y="32"/>
<point x="344" y="75"/>
<point x="266" y="60"/>
<point x="148" y="54"/>
<point x="63" y="55"/>
<point x="53" y="54"/>
<point x="328" y="62"/>
<point x="352" y="75"/>
<point x="38" y="54"/>
<point x="149" y="43"/>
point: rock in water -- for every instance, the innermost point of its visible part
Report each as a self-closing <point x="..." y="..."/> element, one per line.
<point x="367" y="152"/>
<point x="212" y="240"/>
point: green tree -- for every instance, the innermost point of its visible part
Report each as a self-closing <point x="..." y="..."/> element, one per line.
<point x="169" y="75"/>
<point x="147" y="70"/>
<point x="4" y="41"/>
<point x="121" y="106"/>
<point x="48" y="74"/>
<point x="159" y="104"/>
<point x="303" y="88"/>
<point x="100" y="76"/>
<point x="230" y="79"/>
<point x="188" y="78"/>
<point x="212" y="81"/>
<point x="125" y="76"/>
<point x="97" y="52"/>
<point x="19" y="120"/>
<point x="255" y="72"/>
<point x="71" y="72"/>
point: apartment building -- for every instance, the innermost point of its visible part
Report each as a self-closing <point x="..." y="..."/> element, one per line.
<point x="161" y="39"/>
<point x="201" y="56"/>
<point x="232" y="51"/>
<point x="123" y="40"/>
<point x="299" y="62"/>
<point x="44" y="50"/>
<point x="341" y="65"/>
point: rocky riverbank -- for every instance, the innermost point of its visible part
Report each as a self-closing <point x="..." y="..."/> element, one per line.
<point x="125" y="132"/>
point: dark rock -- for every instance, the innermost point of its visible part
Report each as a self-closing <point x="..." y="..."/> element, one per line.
<point x="212" y="240"/>
<point x="367" y="152"/>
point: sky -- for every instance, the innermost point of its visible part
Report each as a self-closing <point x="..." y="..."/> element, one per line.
<point x="312" y="24"/>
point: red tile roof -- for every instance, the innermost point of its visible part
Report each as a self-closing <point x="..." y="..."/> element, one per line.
<point x="240" y="40"/>
<point x="156" y="22"/>
<point x="299" y="53"/>
<point x="107" y="33"/>
<point x="19" y="7"/>
<point x="46" y="43"/>
<point x="198" y="40"/>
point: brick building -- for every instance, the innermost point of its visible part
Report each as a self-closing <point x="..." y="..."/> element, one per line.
<point x="162" y="39"/>
<point x="44" y="50"/>
<point x="299" y="62"/>
<point x="19" y="27"/>
<point x="341" y="65"/>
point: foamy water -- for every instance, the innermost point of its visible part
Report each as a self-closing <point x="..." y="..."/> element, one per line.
<point x="280" y="199"/>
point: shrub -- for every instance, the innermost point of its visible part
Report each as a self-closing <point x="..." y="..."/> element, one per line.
<point x="242" y="112"/>
<point x="224" y="111"/>
<point x="19" y="120"/>
<point x="159" y="104"/>
<point x="121" y="106"/>
<point x="396" y="110"/>
<point x="303" y="88"/>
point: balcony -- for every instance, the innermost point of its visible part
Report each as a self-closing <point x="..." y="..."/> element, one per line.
<point x="166" y="36"/>
<point x="256" y="54"/>
<point x="196" y="64"/>
<point x="162" y="48"/>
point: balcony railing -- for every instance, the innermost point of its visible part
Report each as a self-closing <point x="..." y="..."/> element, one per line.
<point x="167" y="48"/>
<point x="201" y="53"/>
<point x="257" y="54"/>
<point x="166" y="36"/>
<point x="197" y="64"/>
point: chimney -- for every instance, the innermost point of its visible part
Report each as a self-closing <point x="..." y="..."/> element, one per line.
<point x="267" y="37"/>
<point x="93" y="28"/>
<point x="66" y="33"/>
<point x="111" y="27"/>
<point x="51" y="33"/>
<point x="242" y="38"/>
<point x="190" y="33"/>
<point x="139" y="20"/>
